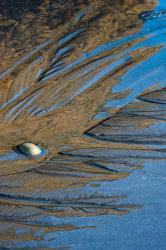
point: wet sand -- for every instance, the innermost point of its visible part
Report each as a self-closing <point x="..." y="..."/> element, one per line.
<point x="85" y="81"/>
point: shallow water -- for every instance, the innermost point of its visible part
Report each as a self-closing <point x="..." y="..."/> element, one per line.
<point x="85" y="81"/>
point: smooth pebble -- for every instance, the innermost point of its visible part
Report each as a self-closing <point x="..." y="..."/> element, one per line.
<point x="30" y="149"/>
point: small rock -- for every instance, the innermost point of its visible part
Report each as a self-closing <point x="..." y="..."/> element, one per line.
<point x="30" y="149"/>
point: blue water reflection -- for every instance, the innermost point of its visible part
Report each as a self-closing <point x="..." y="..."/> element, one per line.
<point x="107" y="189"/>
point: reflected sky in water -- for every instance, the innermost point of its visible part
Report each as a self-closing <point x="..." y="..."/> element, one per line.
<point x="96" y="103"/>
